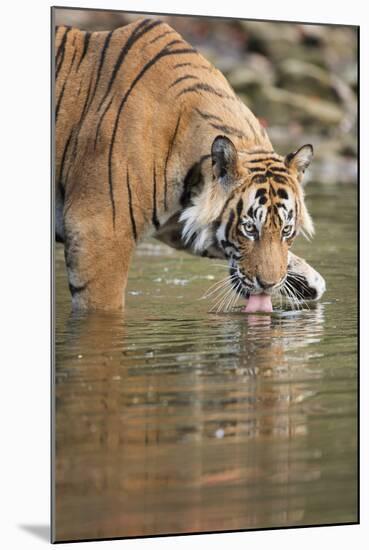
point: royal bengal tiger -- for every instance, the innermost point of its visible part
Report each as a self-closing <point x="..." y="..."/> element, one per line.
<point x="152" y="140"/>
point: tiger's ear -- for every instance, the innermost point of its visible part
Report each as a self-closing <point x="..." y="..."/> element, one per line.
<point x="300" y="159"/>
<point x="224" y="160"/>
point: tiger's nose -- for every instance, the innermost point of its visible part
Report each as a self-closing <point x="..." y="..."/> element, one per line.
<point x="265" y="285"/>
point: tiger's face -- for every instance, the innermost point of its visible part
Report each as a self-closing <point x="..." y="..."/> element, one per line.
<point x="261" y="225"/>
<point x="262" y="211"/>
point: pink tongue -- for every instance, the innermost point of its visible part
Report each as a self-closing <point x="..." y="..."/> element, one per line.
<point x="259" y="302"/>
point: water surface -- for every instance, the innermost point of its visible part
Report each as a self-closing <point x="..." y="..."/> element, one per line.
<point x="171" y="419"/>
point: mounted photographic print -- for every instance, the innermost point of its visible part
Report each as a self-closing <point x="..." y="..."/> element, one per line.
<point x="205" y="213"/>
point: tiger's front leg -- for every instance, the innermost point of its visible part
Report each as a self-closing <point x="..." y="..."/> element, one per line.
<point x="304" y="279"/>
<point x="97" y="261"/>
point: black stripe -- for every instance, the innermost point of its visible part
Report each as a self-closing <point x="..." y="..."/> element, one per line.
<point x="62" y="193"/>
<point x="84" y="110"/>
<point x="229" y="224"/>
<point x="279" y="179"/>
<point x="186" y="77"/>
<point x="170" y="148"/>
<point x="258" y="152"/>
<point x="260" y="169"/>
<point x="260" y="192"/>
<point x="130" y="208"/>
<point x="208" y="116"/>
<point x="195" y="65"/>
<point x="64" y="156"/>
<point x="256" y="210"/>
<point x="259" y="179"/>
<point x="263" y="159"/>
<point x="79" y="126"/>
<point x="230" y="130"/>
<point x="161" y="36"/>
<point x="192" y="238"/>
<point x="173" y="42"/>
<point x="60" y="99"/>
<point x="101" y="62"/>
<point x="155" y="220"/>
<point x="163" y="53"/>
<point x="216" y="225"/>
<point x="58" y="28"/>
<point x="61" y="51"/>
<point x="67" y="176"/>
<point x="76" y="289"/>
<point x="136" y="34"/>
<point x="205" y="88"/>
<point x="192" y="182"/>
<point x="282" y="193"/>
<point x="270" y="174"/>
<point x="178" y="65"/>
<point x="278" y="170"/>
<point x="63" y="88"/>
<point x="73" y="58"/>
<point x="253" y="131"/>
<point x="225" y="205"/>
<point x="100" y="121"/>
<point x="66" y="29"/>
<point x="239" y="209"/>
<point x="86" y="40"/>
<point x="227" y="244"/>
<point x="297" y="208"/>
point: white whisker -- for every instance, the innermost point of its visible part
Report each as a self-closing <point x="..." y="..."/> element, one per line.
<point x="223" y="293"/>
<point x="222" y="301"/>
<point x="297" y="296"/>
<point x="219" y="288"/>
<point x="289" y="295"/>
<point x="227" y="307"/>
<point x="216" y="286"/>
<point x="300" y="297"/>
<point x="236" y="295"/>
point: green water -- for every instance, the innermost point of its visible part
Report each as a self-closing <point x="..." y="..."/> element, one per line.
<point x="171" y="419"/>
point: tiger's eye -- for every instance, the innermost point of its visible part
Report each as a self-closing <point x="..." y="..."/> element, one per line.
<point x="249" y="227"/>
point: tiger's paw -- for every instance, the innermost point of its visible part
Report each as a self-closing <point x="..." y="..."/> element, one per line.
<point x="303" y="280"/>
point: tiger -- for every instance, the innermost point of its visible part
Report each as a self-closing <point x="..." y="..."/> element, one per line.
<point x="151" y="140"/>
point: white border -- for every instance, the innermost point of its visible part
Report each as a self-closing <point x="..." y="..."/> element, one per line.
<point x="25" y="276"/>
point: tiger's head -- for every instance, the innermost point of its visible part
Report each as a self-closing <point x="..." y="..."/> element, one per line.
<point x="250" y="210"/>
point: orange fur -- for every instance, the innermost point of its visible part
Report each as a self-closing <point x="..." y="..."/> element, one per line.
<point x="137" y="111"/>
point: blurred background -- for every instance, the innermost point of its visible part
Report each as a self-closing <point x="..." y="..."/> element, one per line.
<point x="300" y="80"/>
